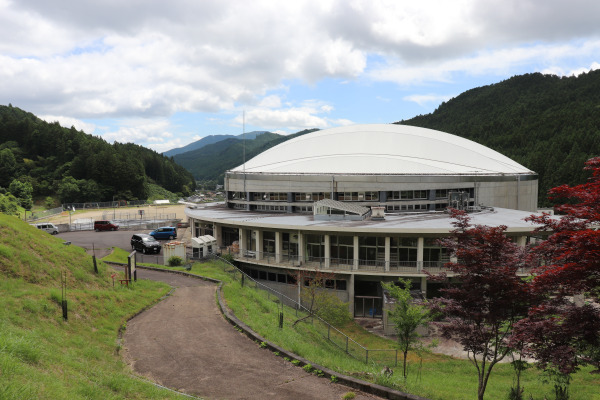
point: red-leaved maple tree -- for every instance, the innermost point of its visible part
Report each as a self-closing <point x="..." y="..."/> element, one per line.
<point x="480" y="309"/>
<point x="563" y="331"/>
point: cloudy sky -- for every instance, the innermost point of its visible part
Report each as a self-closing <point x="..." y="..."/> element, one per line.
<point x="163" y="74"/>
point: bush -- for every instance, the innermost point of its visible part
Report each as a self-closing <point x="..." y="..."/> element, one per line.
<point x="228" y="257"/>
<point x="175" y="261"/>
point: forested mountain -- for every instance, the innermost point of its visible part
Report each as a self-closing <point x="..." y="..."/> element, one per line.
<point x="548" y="124"/>
<point x="210" y="162"/>
<point x="210" y="139"/>
<point x="80" y="167"/>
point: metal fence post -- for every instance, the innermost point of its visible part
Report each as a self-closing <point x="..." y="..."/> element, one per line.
<point x="367" y="359"/>
<point x="346" y="344"/>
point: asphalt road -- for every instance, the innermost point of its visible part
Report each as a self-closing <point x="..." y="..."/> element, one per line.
<point x="184" y="343"/>
<point x="99" y="240"/>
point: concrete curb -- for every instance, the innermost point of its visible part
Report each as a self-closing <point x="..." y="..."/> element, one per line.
<point x="349" y="381"/>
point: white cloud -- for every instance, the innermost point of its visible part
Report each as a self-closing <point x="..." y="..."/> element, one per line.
<point x="154" y="133"/>
<point x="68" y="122"/>
<point x="497" y="62"/>
<point x="427" y="99"/>
<point x="140" y="61"/>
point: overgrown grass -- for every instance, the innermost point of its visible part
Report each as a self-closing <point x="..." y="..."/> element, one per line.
<point x="44" y="357"/>
<point x="432" y="376"/>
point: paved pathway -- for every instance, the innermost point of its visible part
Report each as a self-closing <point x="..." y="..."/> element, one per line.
<point x="184" y="343"/>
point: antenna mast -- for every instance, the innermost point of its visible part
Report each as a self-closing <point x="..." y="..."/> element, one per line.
<point x="244" y="146"/>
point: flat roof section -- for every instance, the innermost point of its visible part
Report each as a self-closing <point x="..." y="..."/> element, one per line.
<point x="408" y="223"/>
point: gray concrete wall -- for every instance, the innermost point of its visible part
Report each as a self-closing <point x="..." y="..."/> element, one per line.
<point x="506" y="191"/>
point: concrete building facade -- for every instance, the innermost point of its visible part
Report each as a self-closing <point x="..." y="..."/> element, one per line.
<point x="306" y="204"/>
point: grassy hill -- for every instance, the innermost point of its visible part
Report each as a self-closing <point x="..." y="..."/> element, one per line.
<point x="44" y="357"/>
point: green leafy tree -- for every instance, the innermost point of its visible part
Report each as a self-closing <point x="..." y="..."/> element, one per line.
<point x="22" y="191"/>
<point x="318" y="300"/>
<point x="68" y="190"/>
<point x="8" y="204"/>
<point x="8" y="166"/>
<point x="407" y="315"/>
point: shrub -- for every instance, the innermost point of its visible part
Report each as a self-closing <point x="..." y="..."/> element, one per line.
<point x="228" y="257"/>
<point x="175" y="261"/>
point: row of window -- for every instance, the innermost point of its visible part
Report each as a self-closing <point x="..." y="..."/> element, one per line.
<point x="290" y="279"/>
<point x="352" y="196"/>
<point x="408" y="207"/>
<point x="261" y="207"/>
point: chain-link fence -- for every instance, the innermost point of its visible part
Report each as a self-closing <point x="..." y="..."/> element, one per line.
<point x="44" y="214"/>
<point x="105" y="204"/>
<point x="327" y="331"/>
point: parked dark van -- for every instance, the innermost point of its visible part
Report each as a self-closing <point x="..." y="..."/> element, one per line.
<point x="145" y="243"/>
<point x="104" y="225"/>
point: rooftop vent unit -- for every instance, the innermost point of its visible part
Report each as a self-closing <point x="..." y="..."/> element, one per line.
<point x="458" y="200"/>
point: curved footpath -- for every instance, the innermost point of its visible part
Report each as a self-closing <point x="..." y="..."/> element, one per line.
<point x="184" y="343"/>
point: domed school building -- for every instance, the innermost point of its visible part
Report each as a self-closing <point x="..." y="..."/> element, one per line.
<point x="365" y="203"/>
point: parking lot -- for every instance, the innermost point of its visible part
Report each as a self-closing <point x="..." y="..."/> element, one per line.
<point x="100" y="243"/>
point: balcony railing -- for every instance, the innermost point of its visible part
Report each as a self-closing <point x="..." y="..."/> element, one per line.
<point x="346" y="264"/>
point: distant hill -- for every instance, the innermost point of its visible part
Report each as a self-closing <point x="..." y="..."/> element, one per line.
<point x="211" y="161"/>
<point x="548" y="124"/>
<point x="211" y="139"/>
<point x="78" y="167"/>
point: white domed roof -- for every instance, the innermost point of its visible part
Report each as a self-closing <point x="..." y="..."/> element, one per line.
<point x="381" y="149"/>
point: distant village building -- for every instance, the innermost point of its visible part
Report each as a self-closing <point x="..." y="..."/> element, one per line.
<point x="366" y="203"/>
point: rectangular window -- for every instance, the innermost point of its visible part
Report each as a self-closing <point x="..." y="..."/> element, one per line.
<point x="421" y="194"/>
<point x="406" y="195"/>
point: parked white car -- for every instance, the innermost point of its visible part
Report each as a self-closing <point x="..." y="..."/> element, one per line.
<point x="47" y="227"/>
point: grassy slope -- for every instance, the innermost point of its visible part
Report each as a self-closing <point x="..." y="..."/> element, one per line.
<point x="439" y="377"/>
<point x="43" y="357"/>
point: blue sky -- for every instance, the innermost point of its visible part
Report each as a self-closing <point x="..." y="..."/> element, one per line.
<point x="164" y="74"/>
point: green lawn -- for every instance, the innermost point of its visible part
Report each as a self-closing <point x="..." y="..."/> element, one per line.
<point x="41" y="355"/>
<point x="433" y="376"/>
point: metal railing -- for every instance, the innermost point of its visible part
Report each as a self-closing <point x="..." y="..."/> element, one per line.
<point x="339" y="264"/>
<point x="106" y="204"/>
<point x="328" y="331"/>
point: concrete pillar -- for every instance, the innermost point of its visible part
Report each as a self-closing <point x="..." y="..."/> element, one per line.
<point x="420" y="244"/>
<point x="424" y="286"/>
<point x="248" y="201"/>
<point x="259" y="244"/>
<point x="356" y="253"/>
<point x="431" y="199"/>
<point x="218" y="232"/>
<point x="522" y="241"/>
<point x="290" y="199"/>
<point x="301" y="248"/>
<point x="387" y="254"/>
<point x="242" y="241"/>
<point x="351" y="294"/>
<point x="382" y="196"/>
<point x="327" y="251"/>
<point x="278" y="246"/>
